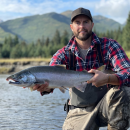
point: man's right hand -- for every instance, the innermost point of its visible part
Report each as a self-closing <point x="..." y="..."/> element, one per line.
<point x="43" y="87"/>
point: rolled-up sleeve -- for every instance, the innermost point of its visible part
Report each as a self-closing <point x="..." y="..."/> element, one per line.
<point x="58" y="58"/>
<point x="120" y="63"/>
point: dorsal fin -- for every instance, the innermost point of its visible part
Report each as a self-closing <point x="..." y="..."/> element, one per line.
<point x="62" y="90"/>
<point x="102" y="68"/>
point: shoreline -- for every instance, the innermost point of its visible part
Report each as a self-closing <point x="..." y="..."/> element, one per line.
<point x="12" y="67"/>
<point x="8" y="66"/>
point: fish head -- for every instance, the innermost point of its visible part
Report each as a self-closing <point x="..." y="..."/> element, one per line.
<point x="22" y="78"/>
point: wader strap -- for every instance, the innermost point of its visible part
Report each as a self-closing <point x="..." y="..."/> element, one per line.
<point x="72" y="57"/>
<point x="72" y="66"/>
<point x="99" y="53"/>
<point x="66" y="106"/>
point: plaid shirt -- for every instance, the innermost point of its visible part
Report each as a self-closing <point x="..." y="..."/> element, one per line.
<point x="113" y="54"/>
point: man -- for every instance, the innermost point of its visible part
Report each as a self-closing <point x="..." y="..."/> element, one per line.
<point x="96" y="107"/>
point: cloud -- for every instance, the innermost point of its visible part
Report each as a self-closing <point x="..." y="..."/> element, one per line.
<point x="26" y="6"/>
<point x="11" y="9"/>
<point x="115" y="9"/>
<point x="15" y="6"/>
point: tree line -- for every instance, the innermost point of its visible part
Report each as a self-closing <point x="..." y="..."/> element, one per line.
<point x="14" y="48"/>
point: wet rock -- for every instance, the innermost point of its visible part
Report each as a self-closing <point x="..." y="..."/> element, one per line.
<point x="26" y="63"/>
<point x="7" y="69"/>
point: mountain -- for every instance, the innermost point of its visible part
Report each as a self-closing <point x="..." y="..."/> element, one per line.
<point x="67" y="13"/>
<point x="1" y="21"/>
<point x="4" y="34"/>
<point x="103" y="24"/>
<point x="34" y="27"/>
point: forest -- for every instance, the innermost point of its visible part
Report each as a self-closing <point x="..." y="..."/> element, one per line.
<point x="14" y="48"/>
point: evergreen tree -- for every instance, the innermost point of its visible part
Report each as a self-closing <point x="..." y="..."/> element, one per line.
<point x="38" y="43"/>
<point x="7" y="47"/>
<point x="31" y="49"/>
<point x="15" y="40"/>
<point x="119" y="36"/>
<point x="38" y="51"/>
<point x="126" y="35"/>
<point x="42" y="40"/>
<point x="24" y="50"/>
<point x="5" y="40"/>
<point x="16" y="52"/>
<point x="10" y="41"/>
<point x="64" y="38"/>
<point x="1" y="45"/>
<point x="95" y="31"/>
<point x="47" y="42"/>
<point x="56" y="38"/>
<point x="108" y="34"/>
<point x="5" y="52"/>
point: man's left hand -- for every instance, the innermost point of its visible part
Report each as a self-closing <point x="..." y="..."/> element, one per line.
<point x="99" y="79"/>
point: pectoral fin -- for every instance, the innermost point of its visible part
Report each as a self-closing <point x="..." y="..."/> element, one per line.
<point x="102" y="68"/>
<point x="31" y="88"/>
<point x="81" y="87"/>
<point x="62" y="89"/>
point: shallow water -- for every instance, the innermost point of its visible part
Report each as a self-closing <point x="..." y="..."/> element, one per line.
<point x="21" y="109"/>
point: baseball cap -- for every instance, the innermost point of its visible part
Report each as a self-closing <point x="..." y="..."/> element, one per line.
<point x="80" y="11"/>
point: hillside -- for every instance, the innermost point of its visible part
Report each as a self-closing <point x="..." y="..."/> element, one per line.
<point x="4" y="34"/>
<point x="1" y="21"/>
<point x="67" y="13"/>
<point x="34" y="27"/>
<point x="101" y="23"/>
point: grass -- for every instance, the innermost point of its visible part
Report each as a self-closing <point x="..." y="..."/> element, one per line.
<point x="128" y="54"/>
<point x="36" y="59"/>
<point x="7" y="69"/>
<point x="4" y="70"/>
<point x="25" y="60"/>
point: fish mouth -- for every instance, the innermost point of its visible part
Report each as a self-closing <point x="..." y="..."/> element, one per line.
<point x="12" y="81"/>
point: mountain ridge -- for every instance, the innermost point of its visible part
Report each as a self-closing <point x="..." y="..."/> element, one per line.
<point x="1" y="20"/>
<point x="31" y="28"/>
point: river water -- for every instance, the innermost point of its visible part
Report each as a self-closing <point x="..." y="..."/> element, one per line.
<point x="21" y="109"/>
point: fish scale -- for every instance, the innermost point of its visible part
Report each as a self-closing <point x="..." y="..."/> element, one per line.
<point x="56" y="76"/>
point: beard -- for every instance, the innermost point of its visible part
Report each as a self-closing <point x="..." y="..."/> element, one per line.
<point x="85" y="37"/>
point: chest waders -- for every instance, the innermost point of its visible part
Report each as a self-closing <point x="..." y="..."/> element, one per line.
<point x="92" y="94"/>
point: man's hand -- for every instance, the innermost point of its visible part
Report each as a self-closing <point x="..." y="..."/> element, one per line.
<point x="42" y="88"/>
<point x="99" y="79"/>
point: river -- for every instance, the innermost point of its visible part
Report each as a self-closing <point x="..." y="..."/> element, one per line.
<point x="21" y="109"/>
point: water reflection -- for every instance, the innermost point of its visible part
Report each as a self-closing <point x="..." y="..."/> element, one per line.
<point x="21" y="109"/>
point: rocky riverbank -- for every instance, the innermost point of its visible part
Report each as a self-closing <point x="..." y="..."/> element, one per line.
<point x="7" y="67"/>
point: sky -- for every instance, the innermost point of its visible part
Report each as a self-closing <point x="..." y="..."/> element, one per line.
<point x="117" y="10"/>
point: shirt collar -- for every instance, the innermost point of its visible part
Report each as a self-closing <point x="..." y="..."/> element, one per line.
<point x="72" y="45"/>
<point x="95" y="40"/>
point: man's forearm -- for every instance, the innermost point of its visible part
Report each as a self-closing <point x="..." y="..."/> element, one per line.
<point x="112" y="79"/>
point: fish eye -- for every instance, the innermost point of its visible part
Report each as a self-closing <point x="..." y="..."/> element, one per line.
<point x="20" y="77"/>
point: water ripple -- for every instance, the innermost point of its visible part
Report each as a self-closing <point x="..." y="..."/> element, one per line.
<point x="21" y="109"/>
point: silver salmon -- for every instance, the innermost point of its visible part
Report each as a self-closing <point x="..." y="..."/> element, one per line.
<point x="56" y="76"/>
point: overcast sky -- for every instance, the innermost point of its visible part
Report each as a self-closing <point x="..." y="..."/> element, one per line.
<point x="114" y="9"/>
